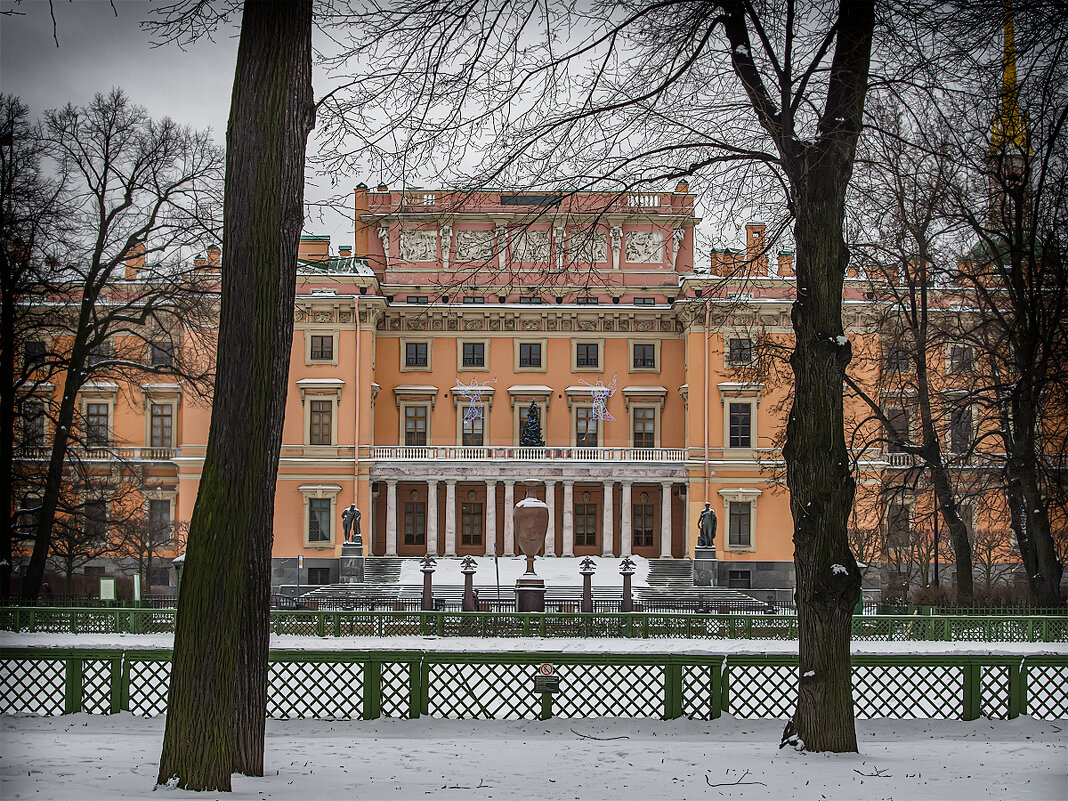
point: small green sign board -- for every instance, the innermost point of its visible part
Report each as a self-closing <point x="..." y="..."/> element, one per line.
<point x="546" y="684"/>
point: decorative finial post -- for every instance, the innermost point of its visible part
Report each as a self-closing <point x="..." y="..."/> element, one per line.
<point x="428" y="563"/>
<point x="586" y="568"/>
<point x="626" y="569"/>
<point x="468" y="567"/>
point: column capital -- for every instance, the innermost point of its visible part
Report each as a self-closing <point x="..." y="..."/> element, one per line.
<point x="490" y="482"/>
<point x="667" y="483"/>
<point x="568" y="482"/>
<point x="450" y="482"/>
<point x="549" y="483"/>
<point x="508" y="482"/>
<point x="432" y="482"/>
<point x="392" y="482"/>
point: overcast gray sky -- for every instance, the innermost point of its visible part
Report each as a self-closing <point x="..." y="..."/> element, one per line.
<point x="98" y="50"/>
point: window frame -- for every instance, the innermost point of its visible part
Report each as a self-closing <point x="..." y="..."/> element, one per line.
<point x="590" y="513"/>
<point x="645" y="407"/>
<point x="461" y="366"/>
<point x="598" y="344"/>
<point x="746" y="405"/>
<point x="39" y="437"/>
<point x="412" y="514"/>
<point x="739" y="495"/>
<point x="160" y="403"/>
<point x="318" y="407"/>
<point x="428" y="342"/>
<point x="108" y="439"/>
<point x="582" y="411"/>
<point x="729" y="351"/>
<point x="413" y="405"/>
<point x="518" y="346"/>
<point x="319" y="492"/>
<point x="468" y="514"/>
<point x="161" y="354"/>
<point x="632" y="345"/>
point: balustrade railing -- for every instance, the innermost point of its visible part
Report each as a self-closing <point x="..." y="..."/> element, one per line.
<point x="518" y="453"/>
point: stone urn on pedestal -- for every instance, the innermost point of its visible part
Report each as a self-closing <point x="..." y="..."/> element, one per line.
<point x="531" y="521"/>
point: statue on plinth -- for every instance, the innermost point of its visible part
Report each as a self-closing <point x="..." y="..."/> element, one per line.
<point x="706" y="527"/>
<point x="350" y="520"/>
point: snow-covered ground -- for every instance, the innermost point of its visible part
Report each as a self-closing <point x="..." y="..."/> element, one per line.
<point x="84" y="757"/>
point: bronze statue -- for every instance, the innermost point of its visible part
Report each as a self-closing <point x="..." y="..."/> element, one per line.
<point x="350" y="520"/>
<point x="706" y="528"/>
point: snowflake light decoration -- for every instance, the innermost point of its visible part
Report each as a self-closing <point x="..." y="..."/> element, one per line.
<point x="601" y="394"/>
<point x="473" y="392"/>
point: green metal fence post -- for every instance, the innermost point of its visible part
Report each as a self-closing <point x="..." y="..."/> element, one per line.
<point x="337" y="623"/>
<point x="715" y="701"/>
<point x="415" y="688"/>
<point x="1017" y="689"/>
<point x="672" y="690"/>
<point x="1045" y="629"/>
<point x="441" y="623"/>
<point x="947" y="629"/>
<point x="72" y="698"/>
<point x="372" y="689"/>
<point x="115" y="686"/>
<point x="124" y="685"/>
<point x="541" y="625"/>
<point x="725" y="686"/>
<point x="424" y="683"/>
<point x="645" y="626"/>
<point x="546" y="706"/>
<point x="320" y="624"/>
<point x="972" y="691"/>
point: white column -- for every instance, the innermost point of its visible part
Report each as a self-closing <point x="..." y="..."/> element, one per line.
<point x="665" y="519"/>
<point x="569" y="519"/>
<point x="450" y="517"/>
<point x="491" y="518"/>
<point x="608" y="524"/>
<point x="550" y="533"/>
<point x="391" y="517"/>
<point x="432" y="517"/>
<point x="509" y="523"/>
<point x="626" y="535"/>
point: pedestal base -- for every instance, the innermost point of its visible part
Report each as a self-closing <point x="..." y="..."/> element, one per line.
<point x="530" y="593"/>
<point x="350" y="565"/>
<point x="705" y="566"/>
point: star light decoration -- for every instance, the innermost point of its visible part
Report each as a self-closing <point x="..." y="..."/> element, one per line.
<point x="601" y="394"/>
<point x="473" y="392"/>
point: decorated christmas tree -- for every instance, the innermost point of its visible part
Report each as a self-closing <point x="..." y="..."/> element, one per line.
<point x="531" y="434"/>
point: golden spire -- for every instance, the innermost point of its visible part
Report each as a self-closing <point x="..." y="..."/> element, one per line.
<point x="1008" y="128"/>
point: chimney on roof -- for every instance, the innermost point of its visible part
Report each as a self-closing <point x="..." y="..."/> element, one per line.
<point x="786" y="264"/>
<point x="682" y="187"/>
<point x="135" y="261"/>
<point x="314" y="249"/>
<point x="214" y="257"/>
<point x="210" y="261"/>
<point x="344" y="251"/>
<point x="756" y="254"/>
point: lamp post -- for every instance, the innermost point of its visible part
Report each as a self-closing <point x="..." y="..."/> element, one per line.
<point x="586" y="568"/>
<point x="468" y="567"/>
<point x="626" y="569"/>
<point x="428" y="562"/>
<point x="935" y="536"/>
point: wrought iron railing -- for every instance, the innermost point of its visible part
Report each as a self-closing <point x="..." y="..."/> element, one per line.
<point x="645" y="625"/>
<point x="498" y="685"/>
<point x="517" y="453"/>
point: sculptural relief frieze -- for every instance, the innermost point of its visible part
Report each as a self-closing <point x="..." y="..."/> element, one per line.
<point x="474" y="245"/>
<point x="419" y="245"/>
<point x="645" y="247"/>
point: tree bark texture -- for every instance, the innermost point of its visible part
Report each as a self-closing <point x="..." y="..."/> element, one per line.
<point x="817" y="461"/>
<point x="218" y="691"/>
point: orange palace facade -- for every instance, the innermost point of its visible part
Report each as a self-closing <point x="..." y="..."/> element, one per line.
<point x="537" y="299"/>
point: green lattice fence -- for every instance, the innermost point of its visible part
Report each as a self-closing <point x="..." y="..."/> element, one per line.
<point x="646" y="625"/>
<point x="373" y="684"/>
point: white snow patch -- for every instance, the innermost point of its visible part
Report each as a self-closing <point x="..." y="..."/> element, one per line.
<point x="839" y="570"/>
<point x="116" y="756"/>
<point x="841" y="341"/>
<point x="808" y="674"/>
<point x="532" y="502"/>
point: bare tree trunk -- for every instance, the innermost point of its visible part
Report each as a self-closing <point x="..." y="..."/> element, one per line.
<point x="217" y="703"/>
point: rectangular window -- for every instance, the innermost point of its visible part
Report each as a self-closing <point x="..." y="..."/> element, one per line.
<point x="896" y="358"/>
<point x="418" y="298"/>
<point x="34" y="351"/>
<point x="159" y="520"/>
<point x="740" y="351"/>
<point x="98" y="354"/>
<point x="586" y="300"/>
<point x="96" y="425"/>
<point x="960" y="359"/>
<point x="322" y="347"/>
<point x="415" y="523"/>
<point x="160" y="434"/>
<point x="739" y="579"/>
<point x="897" y="526"/>
<point x="645" y="355"/>
<point x="897" y="429"/>
<point x="162" y="354"/>
<point x="741" y="425"/>
<point x="320" y="431"/>
<point x="529" y="300"/>
<point x="644" y="427"/>
<point x="474" y="354"/>
<point x="415" y="354"/>
<point x="318" y="520"/>
<point x="415" y="425"/>
<point x="94" y="570"/>
<point x="587" y="355"/>
<point x="585" y="524"/>
<point x="645" y="301"/>
<point x="643" y="525"/>
<point x="33" y="424"/>
<point x="471" y="524"/>
<point x="585" y="428"/>
<point x="474" y="299"/>
<point x="473" y="432"/>
<point x="960" y="429"/>
<point x="96" y="519"/>
<point x="739" y="531"/>
<point x="530" y="354"/>
<point x="318" y="575"/>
